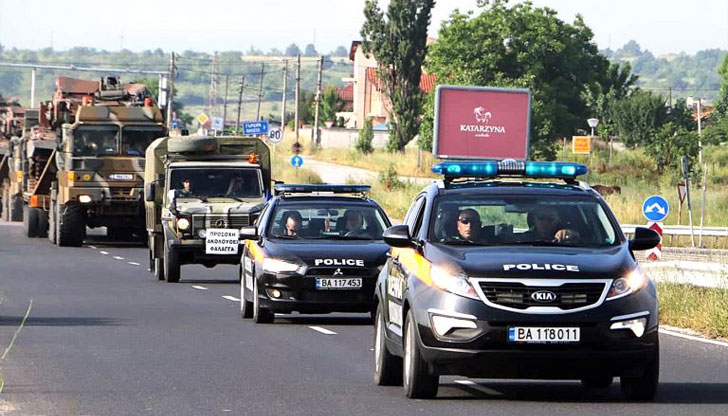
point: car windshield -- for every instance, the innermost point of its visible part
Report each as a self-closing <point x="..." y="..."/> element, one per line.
<point x="235" y="183"/>
<point x="89" y="140"/>
<point x="329" y="220"/>
<point x="135" y="139"/>
<point x="521" y="220"/>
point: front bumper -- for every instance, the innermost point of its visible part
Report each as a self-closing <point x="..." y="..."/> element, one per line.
<point x="192" y="251"/>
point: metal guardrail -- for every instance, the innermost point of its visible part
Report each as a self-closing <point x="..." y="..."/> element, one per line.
<point x="682" y="230"/>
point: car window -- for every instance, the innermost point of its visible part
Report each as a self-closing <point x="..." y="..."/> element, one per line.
<point x="334" y="220"/>
<point x="413" y="214"/>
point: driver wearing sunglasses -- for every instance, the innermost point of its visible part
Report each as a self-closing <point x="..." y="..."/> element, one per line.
<point x="468" y="225"/>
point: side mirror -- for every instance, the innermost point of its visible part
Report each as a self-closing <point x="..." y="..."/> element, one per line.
<point x="398" y="236"/>
<point x="644" y="239"/>
<point x="248" y="233"/>
<point x="149" y="189"/>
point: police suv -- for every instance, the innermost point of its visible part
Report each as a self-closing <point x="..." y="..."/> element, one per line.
<point x="316" y="249"/>
<point x="515" y="278"/>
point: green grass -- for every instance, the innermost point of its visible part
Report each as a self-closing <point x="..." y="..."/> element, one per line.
<point x="704" y="310"/>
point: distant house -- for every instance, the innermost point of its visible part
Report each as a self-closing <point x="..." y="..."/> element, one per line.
<point x="366" y="89"/>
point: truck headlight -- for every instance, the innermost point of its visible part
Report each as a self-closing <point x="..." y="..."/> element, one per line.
<point x="452" y="282"/>
<point x="271" y="265"/>
<point x="625" y="286"/>
<point x="183" y="224"/>
<point x="84" y="199"/>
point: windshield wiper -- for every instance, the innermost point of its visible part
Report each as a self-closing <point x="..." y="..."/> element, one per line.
<point x="541" y="243"/>
<point x="201" y="198"/>
<point x="228" y="196"/>
<point x="464" y="243"/>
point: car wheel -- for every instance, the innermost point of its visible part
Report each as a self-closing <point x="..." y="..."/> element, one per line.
<point x="246" y="306"/>
<point x="171" y="265"/>
<point x="260" y="314"/>
<point x="387" y="367"/>
<point x="643" y="388"/>
<point x="418" y="382"/>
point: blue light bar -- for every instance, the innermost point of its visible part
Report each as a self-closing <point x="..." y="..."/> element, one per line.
<point x="308" y="189"/>
<point x="509" y="168"/>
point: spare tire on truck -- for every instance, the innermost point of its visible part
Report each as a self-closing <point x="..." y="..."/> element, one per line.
<point x="191" y="144"/>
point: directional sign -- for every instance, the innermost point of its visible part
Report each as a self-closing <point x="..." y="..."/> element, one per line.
<point x="656" y="252"/>
<point x="297" y="161"/>
<point x="203" y="118"/>
<point x="655" y="208"/>
<point x="252" y="128"/>
<point x="275" y="135"/>
<point x="217" y="124"/>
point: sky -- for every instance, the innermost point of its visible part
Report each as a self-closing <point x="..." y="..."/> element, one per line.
<point x="661" y="26"/>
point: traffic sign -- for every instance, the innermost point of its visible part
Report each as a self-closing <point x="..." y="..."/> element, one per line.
<point x="252" y="128"/>
<point x="217" y="124"/>
<point x="296" y="148"/>
<point x="655" y="253"/>
<point x="297" y="161"/>
<point x="275" y="135"/>
<point x="175" y="124"/>
<point x="655" y="208"/>
<point x="202" y="118"/>
<point x="581" y="145"/>
<point x="681" y="191"/>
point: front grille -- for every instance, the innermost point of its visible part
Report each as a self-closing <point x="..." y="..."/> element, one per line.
<point x="519" y="296"/>
<point x="202" y="221"/>
<point x="345" y="271"/>
<point x="121" y="193"/>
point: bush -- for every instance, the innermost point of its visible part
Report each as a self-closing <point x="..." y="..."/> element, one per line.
<point x="389" y="179"/>
<point x="366" y="136"/>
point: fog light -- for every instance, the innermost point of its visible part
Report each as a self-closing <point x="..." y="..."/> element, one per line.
<point x="84" y="199"/>
<point x="276" y="293"/>
<point x="637" y="326"/>
<point x="202" y="233"/>
<point x="444" y="324"/>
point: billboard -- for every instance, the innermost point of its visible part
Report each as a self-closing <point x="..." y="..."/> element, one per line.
<point x="481" y="123"/>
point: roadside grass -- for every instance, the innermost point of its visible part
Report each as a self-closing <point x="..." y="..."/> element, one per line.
<point x="701" y="309"/>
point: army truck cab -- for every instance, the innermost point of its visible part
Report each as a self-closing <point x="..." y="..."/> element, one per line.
<point x="199" y="192"/>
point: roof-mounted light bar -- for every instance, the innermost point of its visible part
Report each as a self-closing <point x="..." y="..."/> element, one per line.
<point x="309" y="189"/>
<point x="509" y="167"/>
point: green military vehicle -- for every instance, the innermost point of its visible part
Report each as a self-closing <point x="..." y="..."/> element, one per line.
<point x="199" y="192"/>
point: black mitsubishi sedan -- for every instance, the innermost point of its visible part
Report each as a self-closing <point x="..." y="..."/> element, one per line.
<point x="315" y="249"/>
<point x="497" y="274"/>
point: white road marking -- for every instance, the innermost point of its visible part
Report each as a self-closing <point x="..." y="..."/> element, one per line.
<point x="475" y="386"/>
<point x="133" y="263"/>
<point x="93" y="247"/>
<point x="231" y="298"/>
<point x="323" y="330"/>
<point x="693" y="338"/>
<point x="199" y="287"/>
<point x="104" y="252"/>
<point x="118" y="257"/>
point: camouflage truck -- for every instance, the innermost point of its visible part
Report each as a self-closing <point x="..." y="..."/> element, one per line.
<point x="23" y="162"/>
<point x="199" y="192"/>
<point x="11" y="125"/>
<point x="93" y="176"/>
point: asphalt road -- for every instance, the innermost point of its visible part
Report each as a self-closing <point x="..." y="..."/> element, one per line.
<point x="105" y="338"/>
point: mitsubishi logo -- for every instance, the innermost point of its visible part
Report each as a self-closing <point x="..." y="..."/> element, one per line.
<point x="338" y="272"/>
<point x="543" y="296"/>
<point x="220" y="223"/>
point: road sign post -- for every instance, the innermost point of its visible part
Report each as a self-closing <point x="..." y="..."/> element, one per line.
<point x="686" y="175"/>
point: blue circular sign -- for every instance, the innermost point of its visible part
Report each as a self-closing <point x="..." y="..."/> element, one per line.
<point x="655" y="208"/>
<point x="297" y="161"/>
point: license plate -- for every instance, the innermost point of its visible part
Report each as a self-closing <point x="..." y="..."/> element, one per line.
<point x="541" y="335"/>
<point x="333" y="283"/>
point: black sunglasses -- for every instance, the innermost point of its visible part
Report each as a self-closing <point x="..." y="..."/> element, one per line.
<point x="467" y="221"/>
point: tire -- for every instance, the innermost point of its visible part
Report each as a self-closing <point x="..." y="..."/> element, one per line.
<point x="190" y="144"/>
<point x="246" y="306"/>
<point x="643" y="388"/>
<point x="52" y="223"/>
<point x="71" y="226"/>
<point x="418" y="382"/>
<point x="387" y="367"/>
<point x="171" y="265"/>
<point x="159" y="268"/>
<point x="5" y="208"/>
<point x="15" y="208"/>
<point x="30" y="221"/>
<point x="42" y="223"/>
<point x="260" y="314"/>
<point x="597" y="382"/>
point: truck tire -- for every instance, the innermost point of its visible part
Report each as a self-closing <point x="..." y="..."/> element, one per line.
<point x="30" y="221"/>
<point x="171" y="265"/>
<point x="5" y="209"/>
<point x="42" y="223"/>
<point x="52" y="223"/>
<point x="15" y="205"/>
<point x="159" y="268"/>
<point x="188" y="144"/>
<point x="71" y="226"/>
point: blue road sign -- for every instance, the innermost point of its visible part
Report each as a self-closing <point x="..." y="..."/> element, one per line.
<point x="251" y="128"/>
<point x="655" y="208"/>
<point x="175" y="124"/>
<point x="217" y="124"/>
<point x="297" y="161"/>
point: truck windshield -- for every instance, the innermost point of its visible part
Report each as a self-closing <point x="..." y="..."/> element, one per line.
<point x="327" y="220"/>
<point x="96" y="140"/>
<point x="206" y="183"/>
<point x="135" y="139"/>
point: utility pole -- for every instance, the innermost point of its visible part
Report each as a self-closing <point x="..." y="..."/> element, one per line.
<point x="260" y="91"/>
<point x="32" y="88"/>
<point x="298" y="89"/>
<point x="224" y="108"/>
<point x="170" y="95"/>
<point x="315" y="136"/>
<point x="700" y="134"/>
<point x="212" y="99"/>
<point x="283" y="100"/>
<point x="240" y="103"/>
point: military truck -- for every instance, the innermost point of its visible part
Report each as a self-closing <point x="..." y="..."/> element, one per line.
<point x="11" y="125"/>
<point x="93" y="172"/>
<point x="199" y="192"/>
<point x="23" y="161"/>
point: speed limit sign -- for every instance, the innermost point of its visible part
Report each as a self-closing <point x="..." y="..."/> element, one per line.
<point x="275" y="135"/>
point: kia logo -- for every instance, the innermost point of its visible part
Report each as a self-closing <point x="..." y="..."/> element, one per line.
<point x="543" y="296"/>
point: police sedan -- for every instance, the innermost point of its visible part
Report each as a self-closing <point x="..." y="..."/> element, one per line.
<point x="316" y="249"/>
<point x="496" y="273"/>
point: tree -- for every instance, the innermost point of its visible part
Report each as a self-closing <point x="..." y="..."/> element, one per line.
<point x="310" y="50"/>
<point x="721" y="104"/>
<point x="639" y="117"/>
<point x="340" y="52"/>
<point x="293" y="50"/>
<point x="330" y="104"/>
<point x="398" y="43"/>
<point x="527" y="47"/>
<point x="366" y="135"/>
<point x="671" y="142"/>
<point x="615" y="84"/>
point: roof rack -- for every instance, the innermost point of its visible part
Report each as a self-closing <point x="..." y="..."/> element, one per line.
<point x="282" y="189"/>
<point x="490" y="169"/>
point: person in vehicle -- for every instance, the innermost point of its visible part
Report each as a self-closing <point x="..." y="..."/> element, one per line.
<point x="186" y="188"/>
<point x="468" y="225"/>
<point x="236" y="187"/>
<point x="545" y="224"/>
<point x="354" y="223"/>
<point x="291" y="222"/>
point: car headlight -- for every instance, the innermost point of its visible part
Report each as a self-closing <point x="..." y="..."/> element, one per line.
<point x="271" y="265"/>
<point x="183" y="224"/>
<point x="452" y="282"/>
<point x="625" y="286"/>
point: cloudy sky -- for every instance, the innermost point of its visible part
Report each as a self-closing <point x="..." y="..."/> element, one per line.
<point x="662" y="26"/>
